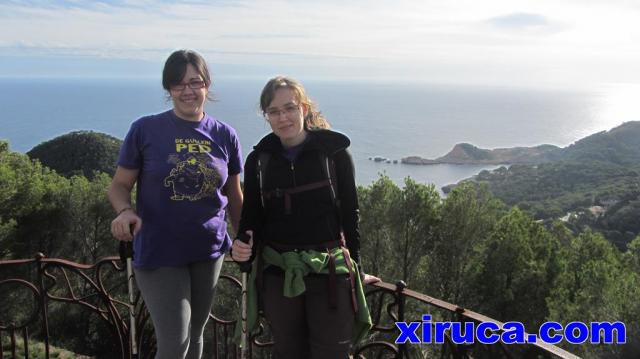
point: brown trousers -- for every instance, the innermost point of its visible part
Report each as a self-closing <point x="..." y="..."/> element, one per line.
<point x="305" y="326"/>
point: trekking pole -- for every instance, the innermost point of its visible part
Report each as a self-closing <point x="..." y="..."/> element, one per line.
<point x="245" y="268"/>
<point x="126" y="253"/>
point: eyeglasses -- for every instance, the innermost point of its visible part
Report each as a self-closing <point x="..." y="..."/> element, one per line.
<point x="194" y="85"/>
<point x="289" y="109"/>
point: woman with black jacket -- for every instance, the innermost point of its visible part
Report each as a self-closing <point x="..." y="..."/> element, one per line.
<point x="301" y="210"/>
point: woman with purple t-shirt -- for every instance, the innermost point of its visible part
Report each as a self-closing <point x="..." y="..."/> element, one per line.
<point x="186" y="165"/>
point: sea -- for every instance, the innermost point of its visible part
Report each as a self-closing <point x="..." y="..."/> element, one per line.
<point x="386" y="119"/>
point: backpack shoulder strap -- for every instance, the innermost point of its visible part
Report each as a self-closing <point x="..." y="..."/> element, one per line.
<point x="263" y="161"/>
<point x="329" y="171"/>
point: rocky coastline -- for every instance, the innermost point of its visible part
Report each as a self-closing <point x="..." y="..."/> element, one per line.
<point x="467" y="154"/>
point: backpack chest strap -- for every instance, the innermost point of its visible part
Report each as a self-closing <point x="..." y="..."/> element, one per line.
<point x="287" y="192"/>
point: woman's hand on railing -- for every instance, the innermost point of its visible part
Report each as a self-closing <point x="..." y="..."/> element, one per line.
<point x="370" y="279"/>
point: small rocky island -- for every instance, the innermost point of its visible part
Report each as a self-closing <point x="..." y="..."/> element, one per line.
<point x="468" y="154"/>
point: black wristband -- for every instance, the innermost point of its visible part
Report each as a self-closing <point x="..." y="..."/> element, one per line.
<point x="124" y="209"/>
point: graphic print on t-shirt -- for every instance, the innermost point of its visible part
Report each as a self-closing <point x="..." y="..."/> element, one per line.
<point x="194" y="176"/>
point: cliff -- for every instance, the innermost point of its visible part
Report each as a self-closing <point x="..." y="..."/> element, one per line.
<point x="465" y="153"/>
<point x="619" y="145"/>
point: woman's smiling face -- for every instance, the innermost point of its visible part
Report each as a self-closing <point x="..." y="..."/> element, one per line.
<point x="286" y="115"/>
<point x="189" y="96"/>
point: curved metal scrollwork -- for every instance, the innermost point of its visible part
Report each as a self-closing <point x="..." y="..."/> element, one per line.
<point x="100" y="289"/>
<point x="12" y="325"/>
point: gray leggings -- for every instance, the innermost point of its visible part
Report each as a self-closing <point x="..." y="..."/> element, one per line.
<point x="179" y="300"/>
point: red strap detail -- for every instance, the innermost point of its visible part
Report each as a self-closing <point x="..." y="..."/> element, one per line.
<point x="352" y="279"/>
<point x="287" y="203"/>
<point x="289" y="191"/>
<point x="333" y="301"/>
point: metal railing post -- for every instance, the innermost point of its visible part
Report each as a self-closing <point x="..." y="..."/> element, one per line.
<point x="400" y="286"/>
<point x="43" y="303"/>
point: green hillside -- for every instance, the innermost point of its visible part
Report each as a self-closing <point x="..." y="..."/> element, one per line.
<point x="595" y="183"/>
<point x="620" y="145"/>
<point x="467" y="248"/>
<point x="79" y="153"/>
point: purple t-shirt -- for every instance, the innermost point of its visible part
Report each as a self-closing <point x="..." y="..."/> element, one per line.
<point x="183" y="167"/>
<point x="292" y="153"/>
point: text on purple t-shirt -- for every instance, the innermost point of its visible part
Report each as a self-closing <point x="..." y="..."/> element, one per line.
<point x="183" y="166"/>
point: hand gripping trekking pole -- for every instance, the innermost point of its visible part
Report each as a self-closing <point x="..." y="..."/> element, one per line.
<point x="126" y="254"/>
<point x="245" y="268"/>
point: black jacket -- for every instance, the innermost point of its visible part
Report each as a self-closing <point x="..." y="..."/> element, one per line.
<point x="314" y="216"/>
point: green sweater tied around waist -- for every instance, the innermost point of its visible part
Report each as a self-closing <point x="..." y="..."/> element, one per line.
<point x="296" y="265"/>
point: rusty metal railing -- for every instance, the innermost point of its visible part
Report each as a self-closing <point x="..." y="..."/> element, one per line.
<point x="37" y="287"/>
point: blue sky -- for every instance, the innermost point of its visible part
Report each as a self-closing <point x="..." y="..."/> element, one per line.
<point x="514" y="42"/>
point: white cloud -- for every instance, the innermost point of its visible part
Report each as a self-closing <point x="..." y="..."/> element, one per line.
<point x="520" y="21"/>
<point x="460" y="40"/>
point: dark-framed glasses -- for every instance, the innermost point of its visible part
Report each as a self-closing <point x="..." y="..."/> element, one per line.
<point x="288" y="109"/>
<point x="194" y="85"/>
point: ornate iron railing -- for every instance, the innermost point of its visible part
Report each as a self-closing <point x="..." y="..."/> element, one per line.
<point x="31" y="289"/>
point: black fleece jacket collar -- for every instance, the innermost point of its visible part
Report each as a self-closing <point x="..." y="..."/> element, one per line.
<point x="326" y="141"/>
